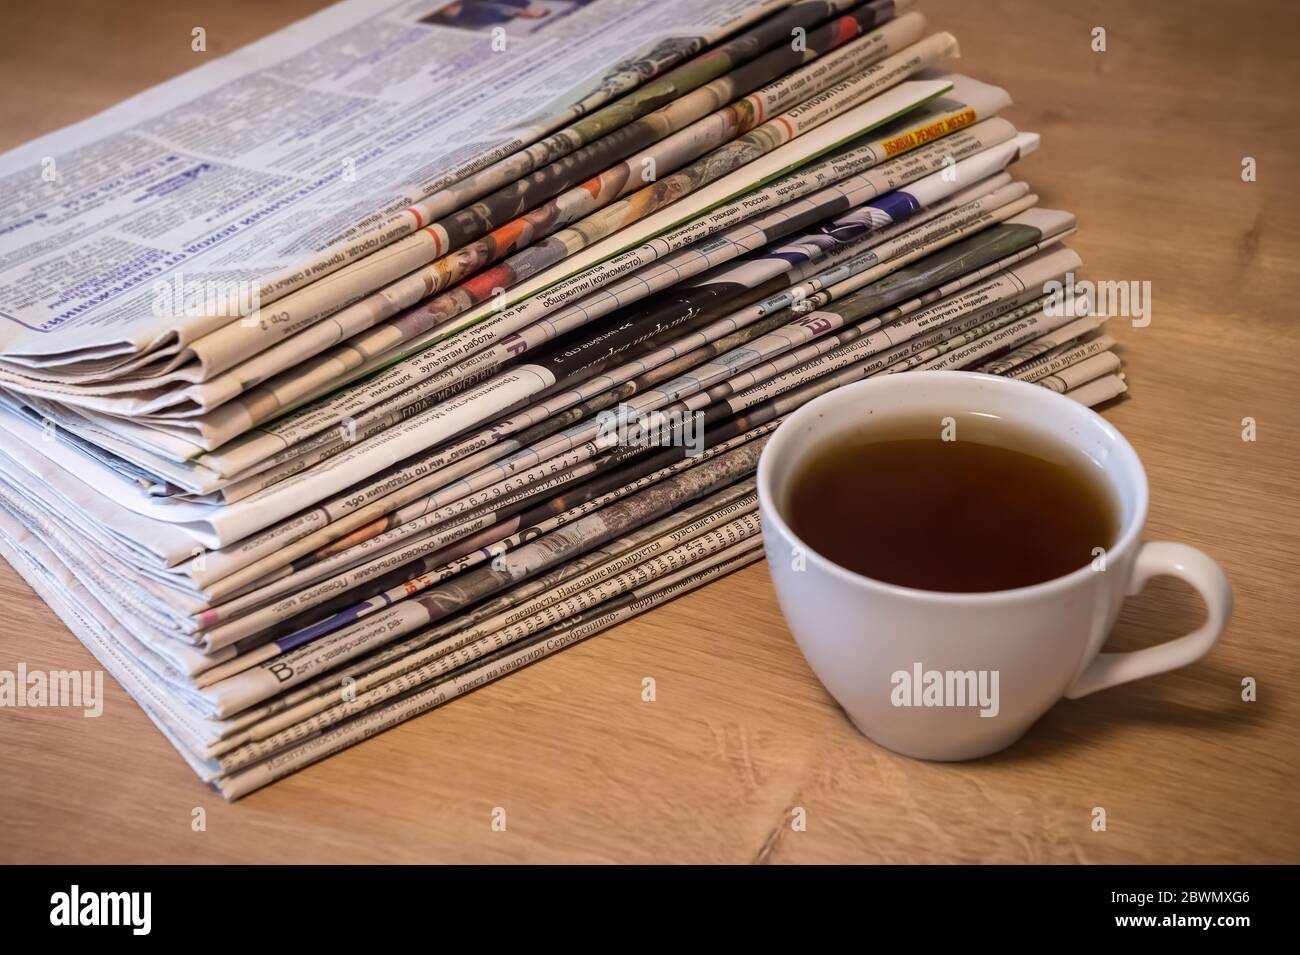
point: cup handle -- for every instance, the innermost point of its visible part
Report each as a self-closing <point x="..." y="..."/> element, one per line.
<point x="1175" y="560"/>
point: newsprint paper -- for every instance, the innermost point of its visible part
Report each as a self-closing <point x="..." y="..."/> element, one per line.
<point x="248" y="168"/>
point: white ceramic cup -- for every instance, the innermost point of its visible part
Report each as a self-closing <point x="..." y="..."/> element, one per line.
<point x="907" y="664"/>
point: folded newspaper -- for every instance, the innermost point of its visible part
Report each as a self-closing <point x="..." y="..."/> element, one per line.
<point x="419" y="341"/>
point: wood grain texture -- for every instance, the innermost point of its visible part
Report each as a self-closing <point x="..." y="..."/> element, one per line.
<point x="1147" y="151"/>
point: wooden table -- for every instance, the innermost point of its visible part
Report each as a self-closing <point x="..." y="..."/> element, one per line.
<point x="1145" y="143"/>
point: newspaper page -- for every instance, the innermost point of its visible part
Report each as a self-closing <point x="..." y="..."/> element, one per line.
<point x="249" y="165"/>
<point x="267" y="341"/>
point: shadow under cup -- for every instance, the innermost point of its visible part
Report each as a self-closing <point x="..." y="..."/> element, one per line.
<point x="939" y="675"/>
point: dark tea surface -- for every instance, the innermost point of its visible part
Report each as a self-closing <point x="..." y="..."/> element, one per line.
<point x="993" y="509"/>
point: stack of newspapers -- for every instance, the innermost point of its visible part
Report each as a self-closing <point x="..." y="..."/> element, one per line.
<point x="415" y="343"/>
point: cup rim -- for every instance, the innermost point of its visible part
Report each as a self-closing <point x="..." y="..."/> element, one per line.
<point x="1128" y="535"/>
